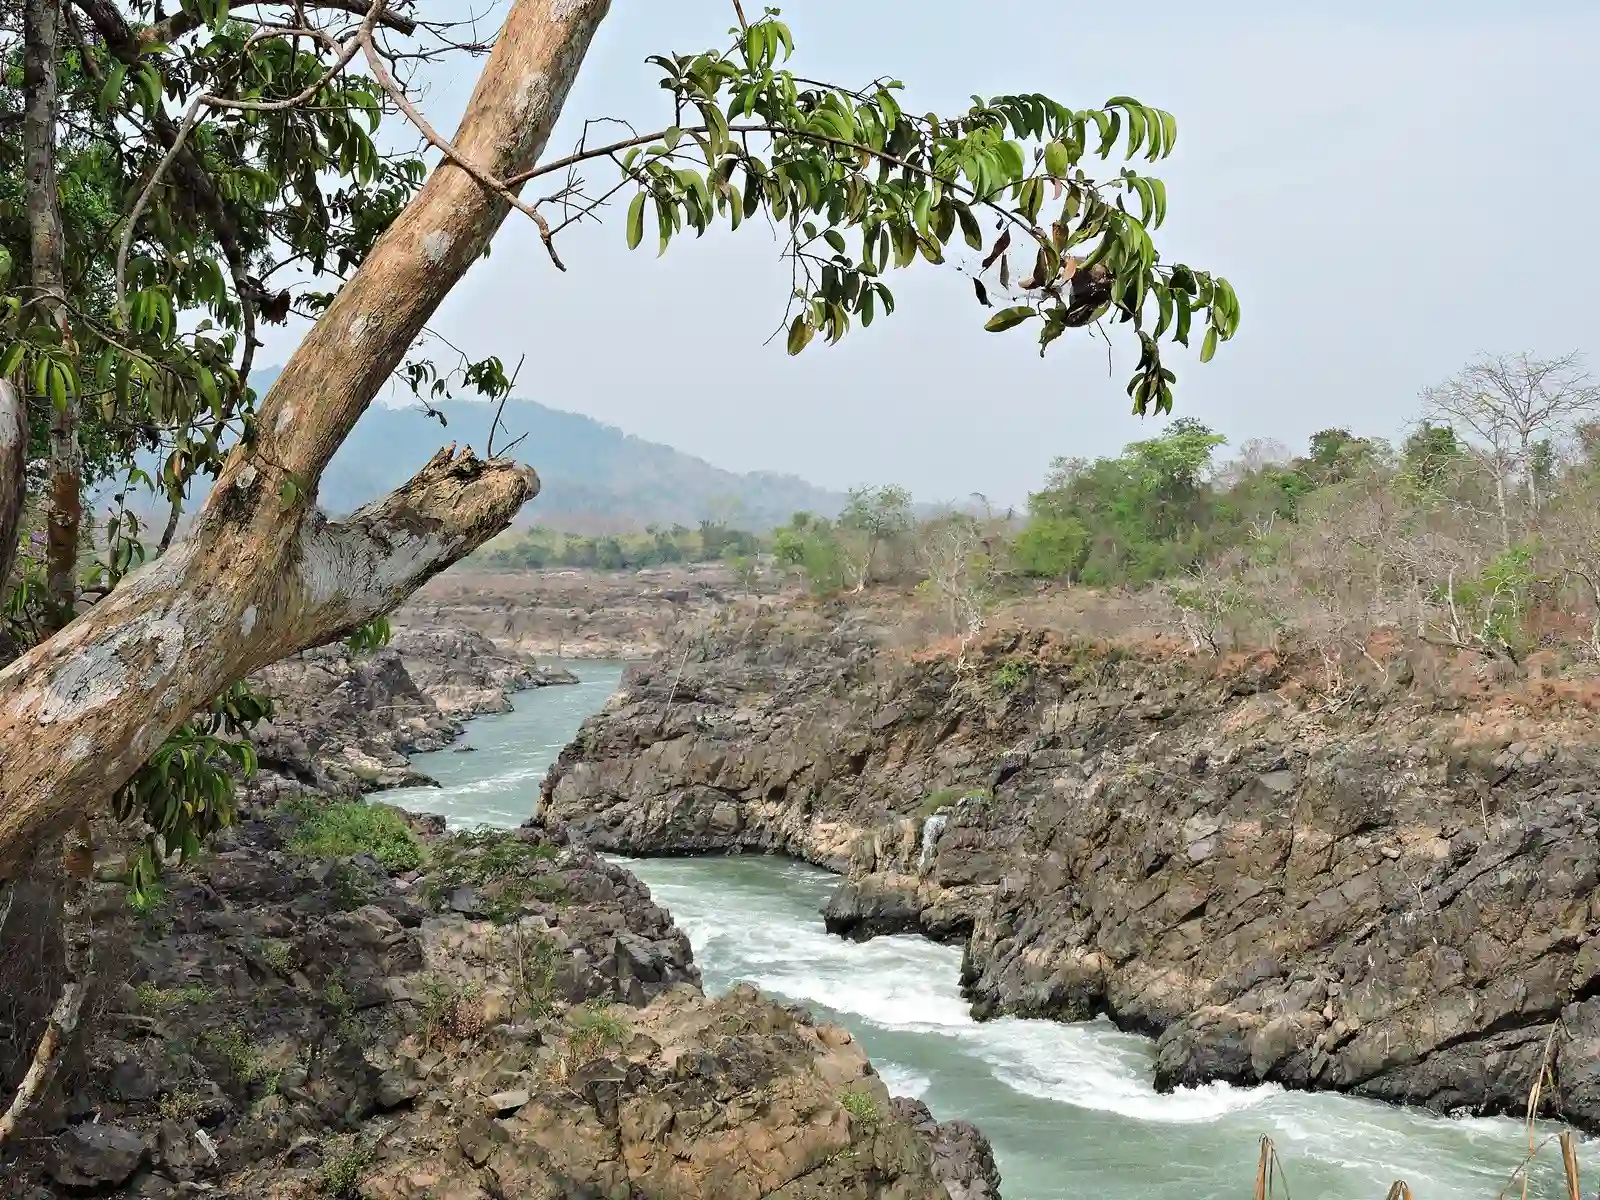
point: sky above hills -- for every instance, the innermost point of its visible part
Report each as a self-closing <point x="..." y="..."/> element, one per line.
<point x="1392" y="187"/>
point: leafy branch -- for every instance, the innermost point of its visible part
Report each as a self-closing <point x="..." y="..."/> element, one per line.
<point x="823" y="160"/>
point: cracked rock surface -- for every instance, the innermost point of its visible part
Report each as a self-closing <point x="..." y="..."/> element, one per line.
<point x="1391" y="893"/>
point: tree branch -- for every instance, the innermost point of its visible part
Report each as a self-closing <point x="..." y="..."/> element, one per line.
<point x="557" y="164"/>
<point x="326" y="386"/>
<point x="353" y="570"/>
<point x="179" y="23"/>
<point x="381" y="72"/>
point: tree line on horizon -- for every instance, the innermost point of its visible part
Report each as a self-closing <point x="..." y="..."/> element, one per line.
<point x="1478" y="530"/>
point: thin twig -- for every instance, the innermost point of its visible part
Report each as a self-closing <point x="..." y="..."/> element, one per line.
<point x="489" y="449"/>
<point x="499" y="187"/>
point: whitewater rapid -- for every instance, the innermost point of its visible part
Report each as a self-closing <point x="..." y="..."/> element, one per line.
<point x="1070" y="1108"/>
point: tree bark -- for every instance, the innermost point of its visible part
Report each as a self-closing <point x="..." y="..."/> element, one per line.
<point x="13" y="481"/>
<point x="264" y="574"/>
<point x="41" y="29"/>
<point x="1500" y="499"/>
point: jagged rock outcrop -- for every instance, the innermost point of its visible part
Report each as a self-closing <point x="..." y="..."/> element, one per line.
<point x="1387" y="892"/>
<point x="489" y="1014"/>
<point x="343" y="723"/>
<point x="465" y="674"/>
<point x="294" y="1027"/>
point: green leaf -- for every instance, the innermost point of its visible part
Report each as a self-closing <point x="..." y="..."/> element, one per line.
<point x="800" y="332"/>
<point x="1009" y="318"/>
<point x="1055" y="324"/>
<point x="969" y="226"/>
<point x="835" y="239"/>
<point x="1169" y="130"/>
<point x="636" y="221"/>
<point x="58" y="387"/>
<point x="1209" y="346"/>
<point x="112" y="89"/>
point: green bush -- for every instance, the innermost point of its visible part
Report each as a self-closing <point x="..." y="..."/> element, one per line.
<point x="1010" y="675"/>
<point x="863" y="1108"/>
<point x="345" y="829"/>
<point x="1052" y="547"/>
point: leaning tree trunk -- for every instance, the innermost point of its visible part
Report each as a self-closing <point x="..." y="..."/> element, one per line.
<point x="264" y="573"/>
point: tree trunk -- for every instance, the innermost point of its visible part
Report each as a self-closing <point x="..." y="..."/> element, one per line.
<point x="1533" y="476"/>
<point x="1500" y="498"/>
<point x="46" y="246"/>
<point x="263" y="573"/>
<point x="13" y="482"/>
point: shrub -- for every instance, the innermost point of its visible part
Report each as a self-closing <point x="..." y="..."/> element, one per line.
<point x="450" y="1012"/>
<point x="156" y="999"/>
<point x="863" y="1109"/>
<point x="355" y="827"/>
<point x="509" y="869"/>
<point x="1010" y="675"/>
<point x="345" y="1162"/>
<point x="1051" y="547"/>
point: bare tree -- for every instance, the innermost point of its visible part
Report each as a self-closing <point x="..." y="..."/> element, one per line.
<point x="1508" y="405"/>
<point x="951" y="552"/>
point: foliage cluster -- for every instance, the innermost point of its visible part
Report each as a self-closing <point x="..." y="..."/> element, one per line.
<point x="539" y="548"/>
<point x="348" y="828"/>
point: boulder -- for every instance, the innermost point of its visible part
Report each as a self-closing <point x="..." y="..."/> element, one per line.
<point x="95" y="1156"/>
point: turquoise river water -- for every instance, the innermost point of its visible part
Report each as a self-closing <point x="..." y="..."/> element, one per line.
<point x="1070" y="1108"/>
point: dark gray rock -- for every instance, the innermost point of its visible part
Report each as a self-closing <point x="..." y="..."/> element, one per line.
<point x="97" y="1156"/>
<point x="1392" y="898"/>
<point x="963" y="1159"/>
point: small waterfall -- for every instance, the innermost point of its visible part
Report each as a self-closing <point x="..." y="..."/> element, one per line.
<point x="931" y="829"/>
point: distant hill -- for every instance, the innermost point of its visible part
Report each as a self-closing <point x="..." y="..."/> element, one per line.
<point x="595" y="478"/>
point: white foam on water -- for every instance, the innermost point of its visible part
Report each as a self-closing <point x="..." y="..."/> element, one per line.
<point x="903" y="1081"/>
<point x="1092" y="1066"/>
<point x="898" y="983"/>
<point x="904" y="992"/>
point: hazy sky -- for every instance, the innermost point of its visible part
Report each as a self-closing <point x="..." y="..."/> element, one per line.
<point x="1391" y="186"/>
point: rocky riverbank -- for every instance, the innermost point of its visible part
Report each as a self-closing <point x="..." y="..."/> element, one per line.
<point x="573" y="613"/>
<point x="339" y="999"/>
<point x="345" y="722"/>
<point x="1386" y="891"/>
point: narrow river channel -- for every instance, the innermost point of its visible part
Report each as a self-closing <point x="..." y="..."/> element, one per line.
<point x="1070" y="1109"/>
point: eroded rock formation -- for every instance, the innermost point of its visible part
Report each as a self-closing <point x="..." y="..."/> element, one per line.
<point x="1387" y="892"/>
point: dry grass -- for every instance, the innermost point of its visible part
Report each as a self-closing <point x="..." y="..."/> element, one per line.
<point x="1271" y="1178"/>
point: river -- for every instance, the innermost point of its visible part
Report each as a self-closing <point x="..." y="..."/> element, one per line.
<point x="1069" y="1108"/>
